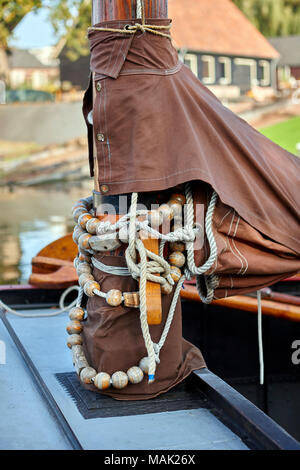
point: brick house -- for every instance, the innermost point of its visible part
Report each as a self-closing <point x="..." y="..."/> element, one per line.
<point x="289" y="50"/>
<point x="216" y="40"/>
<point x="25" y="69"/>
<point x="222" y="47"/>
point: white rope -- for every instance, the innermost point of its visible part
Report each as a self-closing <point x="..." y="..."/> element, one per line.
<point x="211" y="281"/>
<point x="185" y="234"/>
<point x="260" y="339"/>
<point x="143" y="312"/>
<point x="139" y="9"/>
<point x="115" y="270"/>
<point x="8" y="309"/>
<point x="208" y="230"/>
<point x="171" y="313"/>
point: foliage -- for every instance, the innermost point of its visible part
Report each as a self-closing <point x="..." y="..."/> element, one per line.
<point x="11" y="13"/>
<point x="272" y="17"/>
<point x="71" y="18"/>
<point x="286" y="133"/>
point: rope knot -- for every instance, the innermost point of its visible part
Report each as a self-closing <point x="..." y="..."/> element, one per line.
<point x="138" y="26"/>
<point x="156" y="349"/>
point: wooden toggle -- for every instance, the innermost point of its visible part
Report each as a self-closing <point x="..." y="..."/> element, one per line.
<point x="153" y="289"/>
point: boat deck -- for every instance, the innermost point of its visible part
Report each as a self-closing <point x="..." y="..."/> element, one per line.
<point x="27" y="423"/>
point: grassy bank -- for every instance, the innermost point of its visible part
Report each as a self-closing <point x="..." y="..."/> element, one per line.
<point x="286" y="133"/>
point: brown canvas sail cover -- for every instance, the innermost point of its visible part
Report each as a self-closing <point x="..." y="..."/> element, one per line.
<point x="161" y="127"/>
<point x="113" y="339"/>
<point x="157" y="126"/>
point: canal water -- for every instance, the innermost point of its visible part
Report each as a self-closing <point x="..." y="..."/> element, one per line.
<point x="30" y="218"/>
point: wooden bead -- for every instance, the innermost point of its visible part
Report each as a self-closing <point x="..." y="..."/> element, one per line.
<point x="166" y="211"/>
<point x="119" y="380"/>
<point x="85" y="200"/>
<point x="114" y="297"/>
<point x="77" y="232"/>
<point x="78" y="212"/>
<point x="74" y="339"/>
<point x="83" y="241"/>
<point x="74" y="327"/>
<point x="102" y="381"/>
<point x="176" y="207"/>
<point x="84" y="257"/>
<point x="131" y="299"/>
<point x="166" y="288"/>
<point x="79" y="359"/>
<point x="178" y="222"/>
<point x="123" y="234"/>
<point x="175" y="273"/>
<point x="85" y="277"/>
<point x="91" y="225"/>
<point x="76" y="313"/>
<point x="82" y="219"/>
<point x="177" y="259"/>
<point x="144" y="364"/>
<point x="89" y="287"/>
<point x="155" y="218"/>
<point x="177" y="246"/>
<point x="135" y="375"/>
<point x="78" y="206"/>
<point x="87" y="374"/>
<point x="178" y="197"/>
<point x="83" y="268"/>
<point x="107" y="242"/>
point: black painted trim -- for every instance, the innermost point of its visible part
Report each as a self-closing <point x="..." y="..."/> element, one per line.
<point x="254" y="427"/>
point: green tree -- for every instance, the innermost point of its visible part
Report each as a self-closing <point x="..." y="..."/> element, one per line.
<point x="272" y="17"/>
<point x="70" y="19"/>
<point x="11" y="13"/>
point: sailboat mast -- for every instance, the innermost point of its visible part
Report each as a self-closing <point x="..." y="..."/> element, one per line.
<point x="106" y="10"/>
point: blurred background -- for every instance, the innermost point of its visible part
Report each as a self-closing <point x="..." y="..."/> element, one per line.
<point x="246" y="51"/>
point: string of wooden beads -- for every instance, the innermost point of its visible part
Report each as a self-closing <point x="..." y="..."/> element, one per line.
<point x="83" y="235"/>
<point x="87" y="374"/>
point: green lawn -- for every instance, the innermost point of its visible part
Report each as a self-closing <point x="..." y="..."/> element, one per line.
<point x="286" y="133"/>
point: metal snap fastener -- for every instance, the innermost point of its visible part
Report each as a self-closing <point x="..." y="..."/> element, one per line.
<point x="104" y="188"/>
<point x="100" y="137"/>
<point x="98" y="86"/>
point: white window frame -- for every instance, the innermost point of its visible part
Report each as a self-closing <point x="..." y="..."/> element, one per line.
<point x="211" y="69"/>
<point x="284" y="72"/>
<point x="193" y="60"/>
<point x="266" y="80"/>
<point x="227" y="69"/>
<point x="253" y="69"/>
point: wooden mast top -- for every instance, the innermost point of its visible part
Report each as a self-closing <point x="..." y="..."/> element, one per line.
<point x="106" y="10"/>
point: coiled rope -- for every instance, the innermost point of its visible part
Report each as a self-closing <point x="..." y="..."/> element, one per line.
<point x="62" y="307"/>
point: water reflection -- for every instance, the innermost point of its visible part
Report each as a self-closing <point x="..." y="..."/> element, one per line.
<point x="30" y="218"/>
